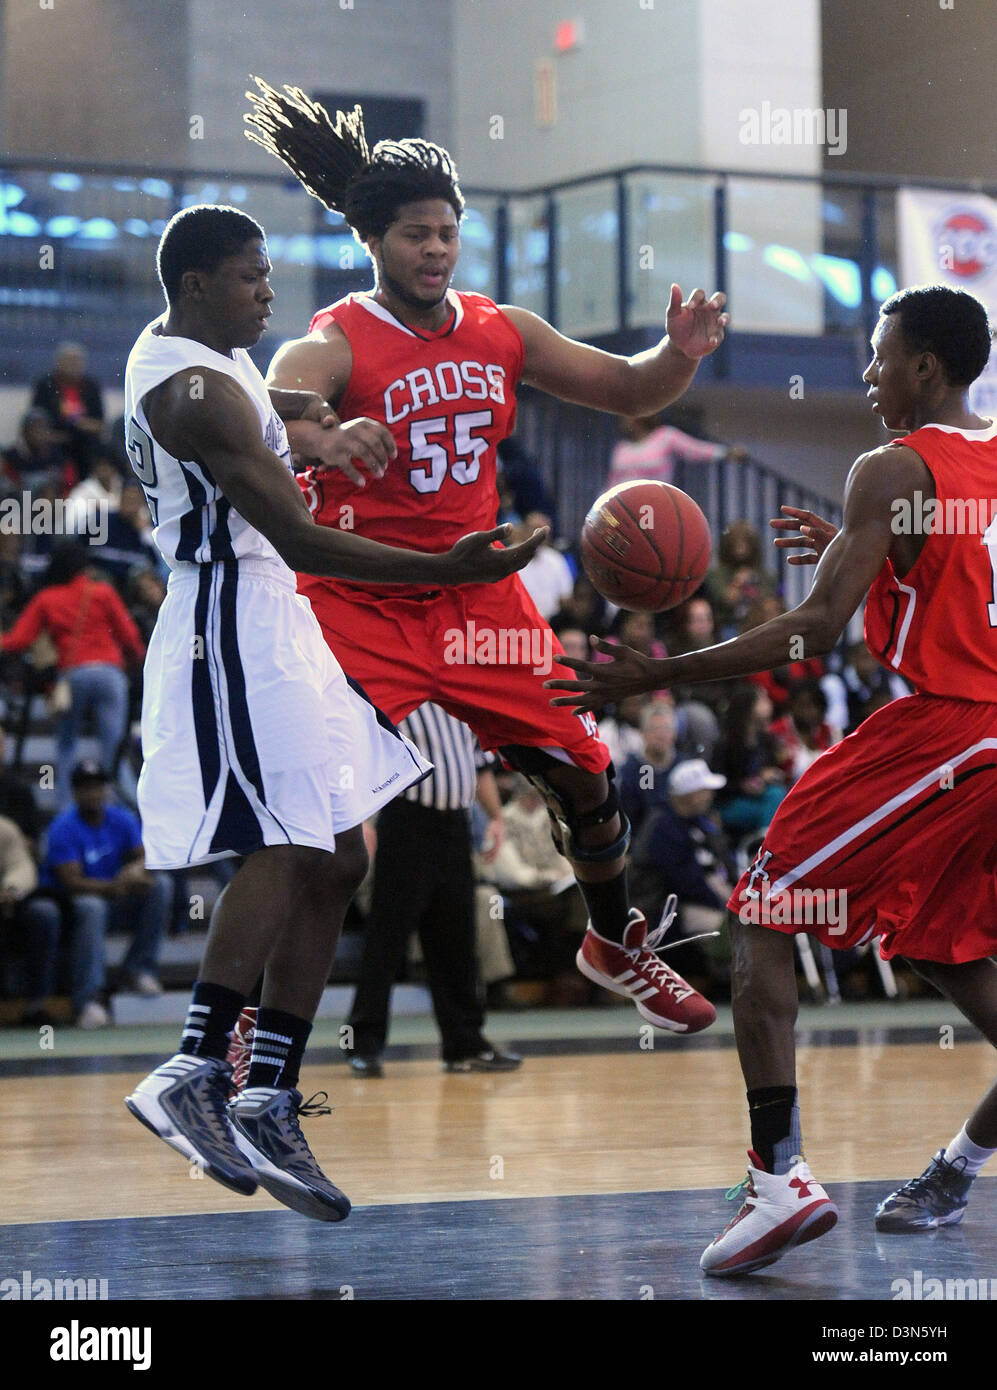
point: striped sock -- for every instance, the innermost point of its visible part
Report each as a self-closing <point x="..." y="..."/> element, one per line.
<point x="278" y="1046"/>
<point x="211" y="1017"/>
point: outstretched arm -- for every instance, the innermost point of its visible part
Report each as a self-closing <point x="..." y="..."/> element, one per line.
<point x="846" y="569"/>
<point x="220" y="426"/>
<point x="637" y="385"/>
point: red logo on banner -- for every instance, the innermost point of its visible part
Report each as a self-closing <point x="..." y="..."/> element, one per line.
<point x="967" y="244"/>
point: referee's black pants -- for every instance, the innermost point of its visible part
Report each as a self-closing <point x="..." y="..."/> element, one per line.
<point x="424" y="881"/>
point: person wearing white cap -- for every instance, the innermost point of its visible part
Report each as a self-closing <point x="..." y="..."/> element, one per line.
<point x="680" y="850"/>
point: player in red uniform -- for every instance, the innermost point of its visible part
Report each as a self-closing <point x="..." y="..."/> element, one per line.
<point x="891" y="831"/>
<point x="426" y="378"/>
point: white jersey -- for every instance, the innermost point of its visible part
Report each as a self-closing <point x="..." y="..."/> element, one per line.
<point x="193" y="521"/>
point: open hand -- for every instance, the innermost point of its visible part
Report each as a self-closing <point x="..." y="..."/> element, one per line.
<point x="696" y="327"/>
<point x="475" y="559"/>
<point x="600" y="683"/>
<point x="814" y="534"/>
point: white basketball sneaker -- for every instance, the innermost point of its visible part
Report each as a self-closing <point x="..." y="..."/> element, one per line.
<point x="779" y="1211"/>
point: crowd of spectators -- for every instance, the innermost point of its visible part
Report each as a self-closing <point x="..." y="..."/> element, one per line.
<point x="81" y="582"/>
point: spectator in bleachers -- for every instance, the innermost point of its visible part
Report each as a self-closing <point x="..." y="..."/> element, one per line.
<point x="129" y="544"/>
<point x="94" y="636"/>
<point x="747" y="758"/>
<point x="96" y="860"/>
<point x="38" y="458"/>
<point x="643" y="777"/>
<point x="527" y="490"/>
<point x="681" y="849"/>
<point x="620" y="731"/>
<point x="635" y="630"/>
<point x="30" y="924"/>
<point x="144" y="596"/>
<point x="739" y="577"/>
<point x="777" y="683"/>
<point x="13" y="580"/>
<point x="102" y="485"/>
<point x="575" y="642"/>
<point x="548" y="577"/>
<point x="17" y="799"/>
<point x="72" y="401"/>
<point x="546" y="912"/>
<point x="584" y="608"/>
<point x="802" y="733"/>
<point x="866" y="685"/>
<point x="651" y="446"/>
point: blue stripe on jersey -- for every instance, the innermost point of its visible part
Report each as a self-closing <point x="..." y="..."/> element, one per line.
<point x="191" y="522"/>
<point x="235" y="677"/>
<point x="238" y="828"/>
<point x="221" y="536"/>
<point x="202" y="699"/>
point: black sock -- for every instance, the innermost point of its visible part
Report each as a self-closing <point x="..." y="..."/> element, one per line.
<point x="278" y="1046"/>
<point x="609" y="905"/>
<point x="211" y="1016"/>
<point x="775" y="1127"/>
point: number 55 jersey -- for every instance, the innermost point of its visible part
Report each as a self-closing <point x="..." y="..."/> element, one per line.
<point x="448" y="397"/>
<point x="480" y="651"/>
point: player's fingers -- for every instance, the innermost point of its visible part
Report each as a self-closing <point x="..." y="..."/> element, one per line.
<point x="371" y="458"/>
<point x="810" y="559"/>
<point x="574" y="663"/>
<point x="343" y="466"/>
<point x="800" y="513"/>
<point x="718" y="299"/>
<point x="696" y="298"/>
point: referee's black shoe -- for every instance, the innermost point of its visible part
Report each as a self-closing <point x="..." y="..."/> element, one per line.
<point x="489" y="1059"/>
<point x="366" y="1067"/>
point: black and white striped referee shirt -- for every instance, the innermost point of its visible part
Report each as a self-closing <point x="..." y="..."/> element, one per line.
<point x="452" y="749"/>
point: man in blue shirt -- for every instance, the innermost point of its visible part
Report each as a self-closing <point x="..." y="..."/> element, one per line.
<point x="95" y="858"/>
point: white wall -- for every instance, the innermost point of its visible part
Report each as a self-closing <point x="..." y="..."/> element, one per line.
<point x="389" y="47"/>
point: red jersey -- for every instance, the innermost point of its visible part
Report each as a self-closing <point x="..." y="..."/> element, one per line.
<point x="448" y="397"/>
<point x="937" y="625"/>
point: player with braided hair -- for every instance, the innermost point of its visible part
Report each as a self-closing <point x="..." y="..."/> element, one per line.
<point x="425" y="378"/>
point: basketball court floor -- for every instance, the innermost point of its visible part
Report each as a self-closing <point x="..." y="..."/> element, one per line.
<point x="597" y="1171"/>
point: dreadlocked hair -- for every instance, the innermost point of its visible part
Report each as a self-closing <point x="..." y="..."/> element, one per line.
<point x="335" y="165"/>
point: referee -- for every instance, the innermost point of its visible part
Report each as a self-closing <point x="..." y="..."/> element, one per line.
<point x="424" y="881"/>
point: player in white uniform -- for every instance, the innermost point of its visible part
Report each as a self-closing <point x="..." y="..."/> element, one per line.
<point x="254" y="742"/>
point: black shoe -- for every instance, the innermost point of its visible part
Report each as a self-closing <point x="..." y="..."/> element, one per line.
<point x="489" y="1060"/>
<point x="268" y="1134"/>
<point x="366" y="1067"/>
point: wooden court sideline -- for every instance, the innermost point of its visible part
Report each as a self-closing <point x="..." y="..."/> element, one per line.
<point x="670" y="1119"/>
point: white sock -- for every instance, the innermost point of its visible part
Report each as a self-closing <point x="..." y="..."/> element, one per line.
<point x="963" y="1147"/>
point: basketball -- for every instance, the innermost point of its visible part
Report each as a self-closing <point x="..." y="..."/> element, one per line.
<point x="645" y="546"/>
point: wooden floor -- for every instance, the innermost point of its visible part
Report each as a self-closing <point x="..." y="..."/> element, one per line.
<point x="671" y="1119"/>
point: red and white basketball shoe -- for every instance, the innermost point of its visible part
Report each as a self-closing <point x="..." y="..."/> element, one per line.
<point x="240" y="1050"/>
<point x="778" y="1212"/>
<point x="634" y="969"/>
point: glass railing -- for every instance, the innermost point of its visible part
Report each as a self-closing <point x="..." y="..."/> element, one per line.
<point x="797" y="256"/>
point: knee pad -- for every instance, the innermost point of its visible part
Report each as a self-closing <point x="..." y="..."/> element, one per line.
<point x="566" y="820"/>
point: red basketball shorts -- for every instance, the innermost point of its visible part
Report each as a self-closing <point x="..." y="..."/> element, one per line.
<point x="481" y="651"/>
<point x="892" y="833"/>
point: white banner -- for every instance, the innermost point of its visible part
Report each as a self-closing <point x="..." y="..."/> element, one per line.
<point x="951" y="239"/>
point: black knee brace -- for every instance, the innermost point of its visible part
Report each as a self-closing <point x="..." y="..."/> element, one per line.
<point x="566" y="821"/>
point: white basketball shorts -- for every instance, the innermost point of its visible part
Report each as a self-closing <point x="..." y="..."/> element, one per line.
<point x="251" y="733"/>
